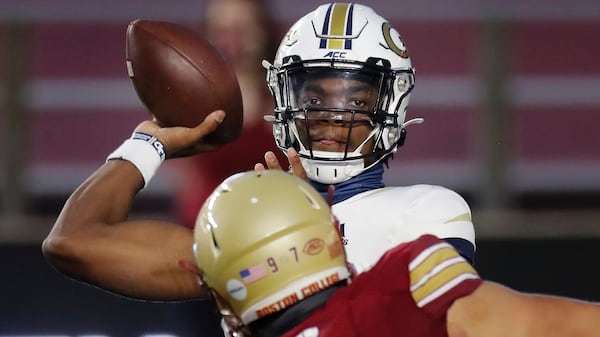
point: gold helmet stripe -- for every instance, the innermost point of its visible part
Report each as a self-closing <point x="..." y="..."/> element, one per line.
<point x="337" y="27"/>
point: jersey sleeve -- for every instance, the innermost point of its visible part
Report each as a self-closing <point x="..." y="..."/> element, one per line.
<point x="439" y="275"/>
<point x="444" y="213"/>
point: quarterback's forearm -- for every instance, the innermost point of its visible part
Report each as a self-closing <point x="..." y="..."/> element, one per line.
<point x="104" y="198"/>
<point x="93" y="242"/>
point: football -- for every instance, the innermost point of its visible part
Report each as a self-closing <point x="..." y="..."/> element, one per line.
<point x="181" y="77"/>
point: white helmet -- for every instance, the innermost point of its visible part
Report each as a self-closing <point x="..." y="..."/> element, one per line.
<point x="350" y="41"/>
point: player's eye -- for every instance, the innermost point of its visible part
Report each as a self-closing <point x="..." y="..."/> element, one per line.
<point x="358" y="103"/>
<point x="310" y="102"/>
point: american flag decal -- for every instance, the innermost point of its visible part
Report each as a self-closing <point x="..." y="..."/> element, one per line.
<point x="253" y="273"/>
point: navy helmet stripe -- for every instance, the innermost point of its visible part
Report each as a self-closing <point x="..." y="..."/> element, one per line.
<point x="325" y="29"/>
<point x="348" y="43"/>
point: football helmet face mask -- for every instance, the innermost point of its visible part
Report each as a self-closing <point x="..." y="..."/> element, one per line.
<point x="347" y="42"/>
<point x="263" y="241"/>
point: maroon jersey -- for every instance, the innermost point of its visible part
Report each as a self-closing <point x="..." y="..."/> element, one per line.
<point x="407" y="293"/>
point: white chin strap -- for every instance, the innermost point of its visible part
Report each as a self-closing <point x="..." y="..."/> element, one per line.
<point x="331" y="172"/>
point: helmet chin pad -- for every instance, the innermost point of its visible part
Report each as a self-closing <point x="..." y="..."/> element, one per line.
<point x="332" y="172"/>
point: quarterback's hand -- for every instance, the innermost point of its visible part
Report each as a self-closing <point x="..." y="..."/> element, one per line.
<point x="182" y="141"/>
<point x="295" y="168"/>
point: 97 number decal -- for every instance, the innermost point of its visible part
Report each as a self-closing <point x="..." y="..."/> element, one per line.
<point x="273" y="263"/>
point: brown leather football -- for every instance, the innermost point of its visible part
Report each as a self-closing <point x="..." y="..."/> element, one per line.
<point x="181" y="78"/>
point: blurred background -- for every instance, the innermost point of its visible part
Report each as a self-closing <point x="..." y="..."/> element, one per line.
<point x="510" y="93"/>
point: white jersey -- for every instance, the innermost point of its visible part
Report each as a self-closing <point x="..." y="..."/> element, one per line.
<point x="374" y="221"/>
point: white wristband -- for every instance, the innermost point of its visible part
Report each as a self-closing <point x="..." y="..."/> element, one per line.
<point x="145" y="152"/>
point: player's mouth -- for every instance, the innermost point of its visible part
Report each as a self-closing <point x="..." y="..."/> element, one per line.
<point x="328" y="144"/>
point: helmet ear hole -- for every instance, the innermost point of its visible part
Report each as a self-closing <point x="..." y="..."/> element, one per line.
<point x="389" y="137"/>
<point x="393" y="136"/>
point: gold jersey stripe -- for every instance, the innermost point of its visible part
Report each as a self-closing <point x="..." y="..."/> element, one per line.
<point x="428" y="259"/>
<point x="421" y="278"/>
<point x="432" y="296"/>
<point x="436" y="272"/>
<point x="338" y="25"/>
<point x="437" y="280"/>
<point x="462" y="217"/>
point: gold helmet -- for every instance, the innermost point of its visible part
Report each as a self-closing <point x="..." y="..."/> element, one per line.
<point x="263" y="242"/>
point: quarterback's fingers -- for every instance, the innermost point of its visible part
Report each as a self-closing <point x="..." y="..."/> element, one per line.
<point x="182" y="141"/>
<point x="210" y="123"/>
<point x="271" y="161"/>
<point x="195" y="135"/>
<point x="259" y="167"/>
<point x="295" y="164"/>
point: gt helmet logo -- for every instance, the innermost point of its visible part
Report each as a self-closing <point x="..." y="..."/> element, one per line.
<point x="393" y="40"/>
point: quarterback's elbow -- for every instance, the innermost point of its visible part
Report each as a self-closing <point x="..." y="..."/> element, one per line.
<point x="61" y="252"/>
